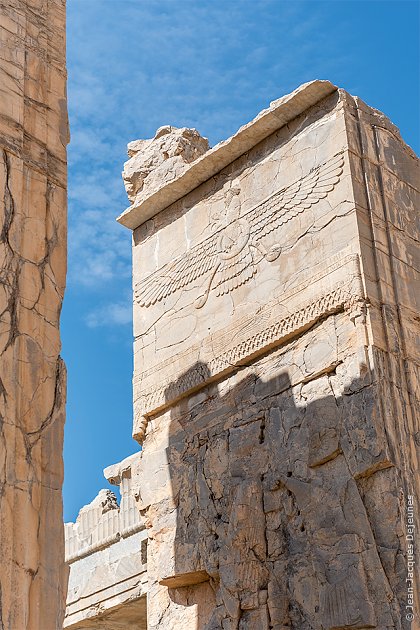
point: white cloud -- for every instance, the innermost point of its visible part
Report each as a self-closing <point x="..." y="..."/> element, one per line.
<point x="212" y="66"/>
<point x="111" y="314"/>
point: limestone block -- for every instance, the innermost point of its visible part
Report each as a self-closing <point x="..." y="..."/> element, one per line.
<point x="276" y="372"/>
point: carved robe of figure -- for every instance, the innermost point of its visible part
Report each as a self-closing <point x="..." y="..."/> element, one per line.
<point x="243" y="576"/>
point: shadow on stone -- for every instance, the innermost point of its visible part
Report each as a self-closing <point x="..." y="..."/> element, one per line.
<point x="280" y="493"/>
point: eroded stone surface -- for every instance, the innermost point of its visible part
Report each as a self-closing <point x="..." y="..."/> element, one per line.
<point x="106" y="549"/>
<point x="33" y="139"/>
<point x="275" y="379"/>
<point x="214" y="160"/>
<point x="162" y="158"/>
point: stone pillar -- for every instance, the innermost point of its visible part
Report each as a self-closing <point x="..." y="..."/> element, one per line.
<point x="33" y="139"/>
<point x="276" y="369"/>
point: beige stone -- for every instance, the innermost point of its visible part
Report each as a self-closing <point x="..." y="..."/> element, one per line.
<point x="276" y="284"/>
<point x="106" y="550"/>
<point x="164" y="157"/>
<point x="33" y="139"/>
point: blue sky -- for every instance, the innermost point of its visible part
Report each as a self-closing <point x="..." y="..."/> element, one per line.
<point x="135" y="65"/>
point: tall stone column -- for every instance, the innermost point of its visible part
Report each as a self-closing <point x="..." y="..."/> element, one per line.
<point x="276" y="369"/>
<point x="33" y="139"/>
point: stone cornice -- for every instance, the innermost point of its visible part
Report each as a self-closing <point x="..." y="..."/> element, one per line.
<point x="267" y="122"/>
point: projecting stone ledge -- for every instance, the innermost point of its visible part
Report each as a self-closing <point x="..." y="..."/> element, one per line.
<point x="163" y="190"/>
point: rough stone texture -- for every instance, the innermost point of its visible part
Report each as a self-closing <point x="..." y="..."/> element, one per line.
<point x="164" y="157"/>
<point x="269" y="120"/>
<point x="106" y="550"/>
<point x="276" y="288"/>
<point x="33" y="139"/>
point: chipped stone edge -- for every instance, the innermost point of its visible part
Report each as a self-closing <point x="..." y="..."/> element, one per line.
<point x="114" y="473"/>
<point x="267" y="122"/>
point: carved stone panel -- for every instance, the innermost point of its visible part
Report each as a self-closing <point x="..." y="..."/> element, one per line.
<point x="216" y="278"/>
<point x="274" y="379"/>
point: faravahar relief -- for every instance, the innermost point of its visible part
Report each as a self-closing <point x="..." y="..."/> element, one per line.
<point x="336" y="287"/>
<point x="229" y="256"/>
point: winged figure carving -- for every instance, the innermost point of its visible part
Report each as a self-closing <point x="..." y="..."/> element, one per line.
<point x="228" y="255"/>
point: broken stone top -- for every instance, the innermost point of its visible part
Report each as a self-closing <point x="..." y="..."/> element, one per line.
<point x="115" y="473"/>
<point x="162" y="170"/>
<point x="104" y="501"/>
<point x="160" y="159"/>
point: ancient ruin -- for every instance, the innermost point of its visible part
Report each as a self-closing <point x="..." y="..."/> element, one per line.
<point x="33" y="172"/>
<point x="276" y="382"/>
<point x="106" y="552"/>
<point x="276" y="379"/>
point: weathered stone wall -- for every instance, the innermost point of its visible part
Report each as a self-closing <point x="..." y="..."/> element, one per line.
<point x="276" y="372"/>
<point x="106" y="551"/>
<point x="33" y="139"/>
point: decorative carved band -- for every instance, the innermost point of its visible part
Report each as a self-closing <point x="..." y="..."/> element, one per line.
<point x="338" y="287"/>
<point x="116" y="536"/>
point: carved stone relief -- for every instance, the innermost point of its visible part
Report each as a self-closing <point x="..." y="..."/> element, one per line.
<point x="271" y="480"/>
<point x="338" y="286"/>
<point x="229" y="255"/>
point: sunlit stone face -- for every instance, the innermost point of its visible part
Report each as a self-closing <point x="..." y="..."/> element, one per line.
<point x="33" y="221"/>
<point x="262" y="371"/>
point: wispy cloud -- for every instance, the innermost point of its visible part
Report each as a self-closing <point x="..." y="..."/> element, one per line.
<point x="209" y="65"/>
<point x="119" y="313"/>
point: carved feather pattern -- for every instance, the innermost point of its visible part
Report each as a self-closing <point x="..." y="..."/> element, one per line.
<point x="232" y="274"/>
<point x="262" y="220"/>
<point x="178" y="273"/>
<point x="293" y="200"/>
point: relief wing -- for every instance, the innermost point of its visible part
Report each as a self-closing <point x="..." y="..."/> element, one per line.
<point x="291" y="201"/>
<point x="178" y="273"/>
